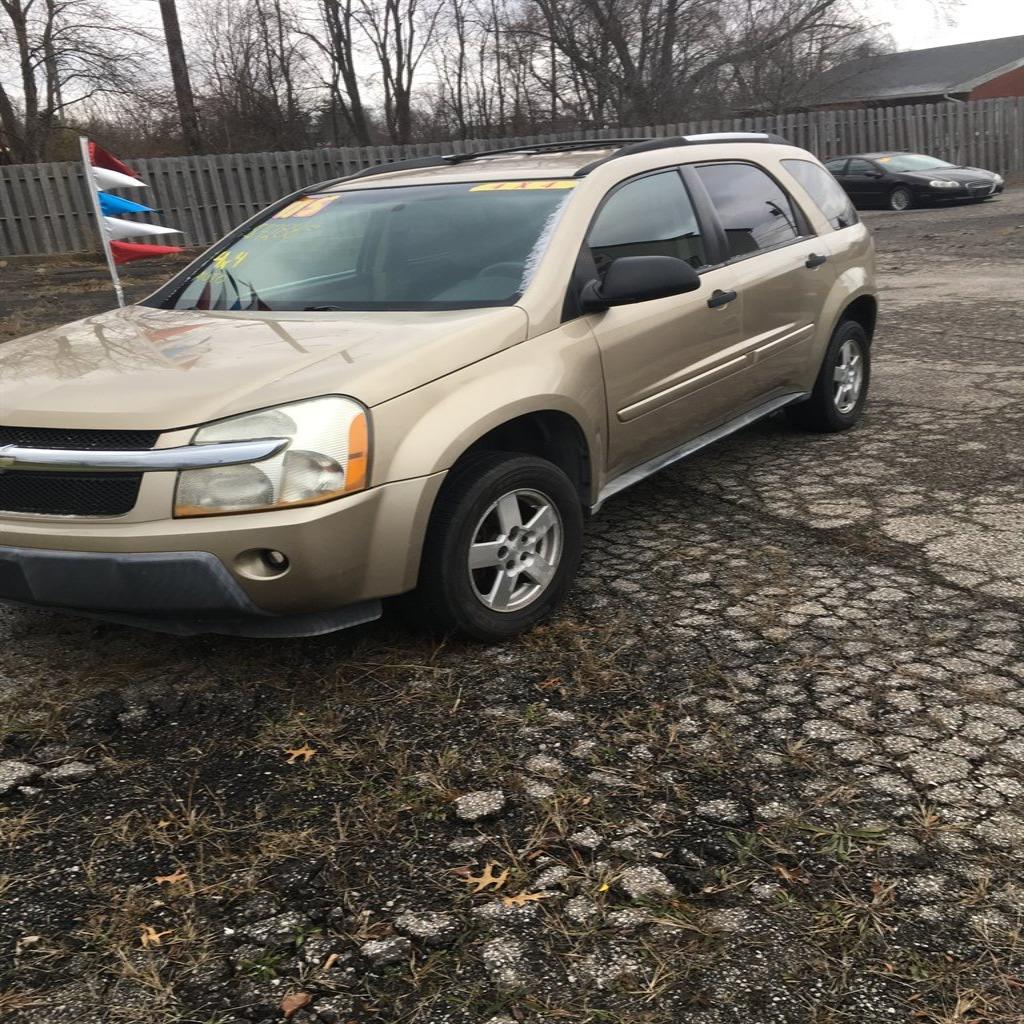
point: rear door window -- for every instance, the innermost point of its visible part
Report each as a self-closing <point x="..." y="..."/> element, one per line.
<point x="754" y="210"/>
<point x="649" y="216"/>
<point x="861" y="167"/>
<point x="826" y="192"/>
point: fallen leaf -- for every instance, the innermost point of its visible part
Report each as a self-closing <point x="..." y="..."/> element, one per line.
<point x="293" y="1002"/>
<point x="603" y="887"/>
<point x="178" y="876"/>
<point x="550" y="684"/>
<point x="24" y="942"/>
<point x="487" y="879"/>
<point x="306" y="752"/>
<point x="522" y="898"/>
<point x="149" y="936"/>
<point x="790" y="875"/>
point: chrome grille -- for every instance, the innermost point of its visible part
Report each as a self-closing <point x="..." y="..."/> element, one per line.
<point x="72" y="494"/>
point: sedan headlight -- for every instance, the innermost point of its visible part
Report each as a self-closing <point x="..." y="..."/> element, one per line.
<point x="943" y="183"/>
<point x="327" y="456"/>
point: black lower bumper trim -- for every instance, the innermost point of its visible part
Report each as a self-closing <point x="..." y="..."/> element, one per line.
<point x="183" y="592"/>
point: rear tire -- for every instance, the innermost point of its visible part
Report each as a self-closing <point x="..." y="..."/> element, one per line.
<point x="841" y="389"/>
<point x="900" y="199"/>
<point x="502" y="548"/>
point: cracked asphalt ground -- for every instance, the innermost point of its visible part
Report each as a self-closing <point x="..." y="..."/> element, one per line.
<point x="766" y="767"/>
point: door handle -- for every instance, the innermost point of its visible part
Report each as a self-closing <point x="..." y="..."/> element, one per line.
<point x="720" y="298"/>
<point x="814" y="260"/>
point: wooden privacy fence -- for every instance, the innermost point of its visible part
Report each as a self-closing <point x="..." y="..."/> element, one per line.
<point x="44" y="208"/>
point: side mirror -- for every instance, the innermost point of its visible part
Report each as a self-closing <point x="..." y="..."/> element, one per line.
<point x="630" y="279"/>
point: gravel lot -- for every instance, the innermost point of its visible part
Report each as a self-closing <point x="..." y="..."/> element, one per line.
<point x="767" y="767"/>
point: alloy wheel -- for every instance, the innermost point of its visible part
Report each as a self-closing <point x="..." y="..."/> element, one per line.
<point x="515" y="551"/>
<point x="848" y="376"/>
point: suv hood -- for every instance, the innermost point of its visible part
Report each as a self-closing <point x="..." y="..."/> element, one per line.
<point x="144" y="368"/>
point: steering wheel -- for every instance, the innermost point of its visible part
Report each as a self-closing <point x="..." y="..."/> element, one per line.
<point x="507" y="269"/>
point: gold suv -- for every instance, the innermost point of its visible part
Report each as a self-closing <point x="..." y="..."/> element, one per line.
<point x="420" y="378"/>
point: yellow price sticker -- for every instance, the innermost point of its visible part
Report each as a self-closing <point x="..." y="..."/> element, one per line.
<point x="307" y="206"/>
<point x="538" y="184"/>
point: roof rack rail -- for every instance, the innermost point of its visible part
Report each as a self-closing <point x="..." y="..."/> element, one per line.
<point x="566" y="145"/>
<point x="456" y="158"/>
<point x="672" y="141"/>
<point x="622" y="147"/>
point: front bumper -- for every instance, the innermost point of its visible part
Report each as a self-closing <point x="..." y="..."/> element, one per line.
<point x="186" y="593"/>
<point x="958" y="194"/>
<point x="190" y="575"/>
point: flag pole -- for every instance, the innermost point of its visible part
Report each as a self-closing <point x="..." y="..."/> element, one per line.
<point x="94" y="193"/>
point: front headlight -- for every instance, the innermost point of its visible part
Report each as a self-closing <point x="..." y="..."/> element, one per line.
<point x="943" y="183"/>
<point x="999" y="179"/>
<point x="327" y="456"/>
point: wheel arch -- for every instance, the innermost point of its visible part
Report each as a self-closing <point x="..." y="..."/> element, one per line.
<point x="862" y="310"/>
<point x="551" y="434"/>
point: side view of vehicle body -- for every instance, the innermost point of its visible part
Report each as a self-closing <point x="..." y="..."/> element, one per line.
<point x="902" y="180"/>
<point x="422" y="378"/>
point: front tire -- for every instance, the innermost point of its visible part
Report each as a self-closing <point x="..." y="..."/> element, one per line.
<point x="841" y="388"/>
<point x="502" y="548"/>
<point x="900" y="199"/>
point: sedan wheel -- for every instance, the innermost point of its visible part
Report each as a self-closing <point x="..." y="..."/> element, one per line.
<point x="900" y="199"/>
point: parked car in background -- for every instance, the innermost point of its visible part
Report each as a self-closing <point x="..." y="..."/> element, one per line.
<point x="903" y="180"/>
<point x="423" y="377"/>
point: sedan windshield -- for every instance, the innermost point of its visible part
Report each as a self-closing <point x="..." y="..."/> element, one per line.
<point x="451" y="246"/>
<point x="899" y="162"/>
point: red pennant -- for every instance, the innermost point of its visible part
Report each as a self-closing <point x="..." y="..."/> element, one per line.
<point x="125" y="252"/>
<point x="99" y="157"/>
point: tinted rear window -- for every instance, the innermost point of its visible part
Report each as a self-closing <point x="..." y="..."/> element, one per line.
<point x="826" y="192"/>
<point x="753" y="209"/>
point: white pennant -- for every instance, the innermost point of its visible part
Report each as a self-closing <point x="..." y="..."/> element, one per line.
<point x="115" y="179"/>
<point x="118" y="228"/>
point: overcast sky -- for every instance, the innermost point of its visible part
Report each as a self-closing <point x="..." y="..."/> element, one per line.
<point x="916" y="24"/>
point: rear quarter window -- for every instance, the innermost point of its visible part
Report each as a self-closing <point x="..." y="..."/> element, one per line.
<point x="827" y="193"/>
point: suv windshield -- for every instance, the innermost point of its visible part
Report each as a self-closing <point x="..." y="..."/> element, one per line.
<point x="912" y="162"/>
<point x="419" y="247"/>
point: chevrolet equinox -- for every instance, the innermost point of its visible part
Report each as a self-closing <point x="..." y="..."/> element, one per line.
<point x="420" y="378"/>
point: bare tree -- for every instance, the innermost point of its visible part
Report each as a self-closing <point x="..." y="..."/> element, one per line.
<point x="180" y="77"/>
<point x="63" y="53"/>
<point x="335" y="38"/>
<point x="399" y="32"/>
<point x="253" y="76"/>
<point x="651" y="61"/>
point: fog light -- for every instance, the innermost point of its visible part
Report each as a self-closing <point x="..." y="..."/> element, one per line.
<point x="262" y="564"/>
<point x="276" y="560"/>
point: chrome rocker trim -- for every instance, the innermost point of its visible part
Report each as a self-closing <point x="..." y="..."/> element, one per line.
<point x="194" y="456"/>
<point x="645" y="469"/>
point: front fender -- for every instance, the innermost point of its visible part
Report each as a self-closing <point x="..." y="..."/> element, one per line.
<point x="425" y="431"/>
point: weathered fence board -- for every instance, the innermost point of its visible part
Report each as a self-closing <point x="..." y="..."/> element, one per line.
<point x="44" y="208"/>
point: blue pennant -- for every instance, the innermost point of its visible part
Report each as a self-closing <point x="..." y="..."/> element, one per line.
<point x="114" y="206"/>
